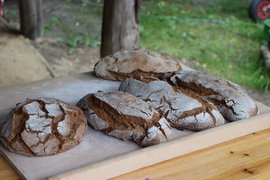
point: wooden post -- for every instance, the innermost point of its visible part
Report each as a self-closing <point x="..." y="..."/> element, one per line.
<point x="31" y="18"/>
<point x="120" y="26"/>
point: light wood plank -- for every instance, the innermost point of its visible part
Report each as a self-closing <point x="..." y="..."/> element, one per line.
<point x="115" y="165"/>
<point x="6" y="171"/>
<point x="245" y="157"/>
<point x="229" y="159"/>
<point x="159" y="153"/>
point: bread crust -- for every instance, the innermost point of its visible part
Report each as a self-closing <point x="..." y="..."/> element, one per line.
<point x="232" y="100"/>
<point x="183" y="109"/>
<point x="125" y="116"/>
<point x="139" y="64"/>
<point x="43" y="126"/>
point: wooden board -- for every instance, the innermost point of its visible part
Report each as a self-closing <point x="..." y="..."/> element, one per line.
<point x="241" y="158"/>
<point x="246" y="157"/>
<point x="162" y="152"/>
<point x="95" y="147"/>
<point x="99" y="153"/>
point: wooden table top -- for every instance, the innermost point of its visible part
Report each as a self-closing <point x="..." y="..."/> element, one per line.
<point x="244" y="157"/>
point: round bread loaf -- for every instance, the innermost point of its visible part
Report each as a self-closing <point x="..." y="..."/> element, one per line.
<point x="44" y="126"/>
<point x="139" y="64"/>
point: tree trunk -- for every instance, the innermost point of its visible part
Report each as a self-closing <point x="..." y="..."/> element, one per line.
<point x="120" y="26"/>
<point x="31" y="18"/>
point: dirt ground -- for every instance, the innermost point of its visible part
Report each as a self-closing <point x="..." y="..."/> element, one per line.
<point x="61" y="63"/>
<point x="19" y="61"/>
<point x="49" y="56"/>
<point x="72" y="19"/>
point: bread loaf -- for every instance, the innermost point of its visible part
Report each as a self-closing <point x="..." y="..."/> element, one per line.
<point x="125" y="116"/>
<point x="44" y="126"/>
<point x="138" y="64"/>
<point x="184" y="110"/>
<point x="232" y="101"/>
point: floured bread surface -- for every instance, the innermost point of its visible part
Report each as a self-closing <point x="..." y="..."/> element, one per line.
<point x="184" y="110"/>
<point x="44" y="126"/>
<point x="138" y="64"/>
<point x="232" y="101"/>
<point x="125" y="116"/>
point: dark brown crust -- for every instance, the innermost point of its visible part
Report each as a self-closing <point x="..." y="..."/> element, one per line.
<point x="125" y="116"/>
<point x="140" y="75"/>
<point x="34" y="130"/>
<point x="139" y="64"/>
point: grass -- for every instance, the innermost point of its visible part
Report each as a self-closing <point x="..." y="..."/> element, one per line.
<point x="71" y="24"/>
<point x="217" y="36"/>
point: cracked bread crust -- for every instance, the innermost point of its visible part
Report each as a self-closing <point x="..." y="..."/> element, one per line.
<point x="183" y="109"/>
<point x="125" y="116"/>
<point x="42" y="127"/>
<point x="92" y="119"/>
<point x="138" y="64"/>
<point x="232" y="101"/>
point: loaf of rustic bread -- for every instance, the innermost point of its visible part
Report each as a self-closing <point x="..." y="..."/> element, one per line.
<point x="183" y="109"/>
<point x="232" y="101"/>
<point x="125" y="116"/>
<point x="44" y="126"/>
<point x="138" y="64"/>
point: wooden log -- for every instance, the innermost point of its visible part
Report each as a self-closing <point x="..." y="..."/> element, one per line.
<point x="31" y="18"/>
<point x="120" y="26"/>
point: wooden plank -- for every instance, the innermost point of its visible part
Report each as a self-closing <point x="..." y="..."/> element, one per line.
<point x="90" y="151"/>
<point x="97" y="157"/>
<point x="159" y="153"/>
<point x="242" y="158"/>
<point x="6" y="171"/>
<point x="218" y="162"/>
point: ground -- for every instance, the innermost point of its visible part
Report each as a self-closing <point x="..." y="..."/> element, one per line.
<point x="19" y="61"/>
<point x="72" y="38"/>
<point x="61" y="63"/>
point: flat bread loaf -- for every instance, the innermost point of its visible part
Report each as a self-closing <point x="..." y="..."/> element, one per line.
<point x="138" y="64"/>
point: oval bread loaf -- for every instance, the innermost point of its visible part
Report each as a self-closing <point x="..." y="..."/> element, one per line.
<point x="184" y="110"/>
<point x="232" y="101"/>
<point x="125" y="116"/>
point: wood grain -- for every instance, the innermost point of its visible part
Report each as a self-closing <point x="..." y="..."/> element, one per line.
<point x="67" y="89"/>
<point x="6" y="171"/>
<point x="31" y="18"/>
<point x="245" y="157"/>
<point x="166" y="151"/>
<point x="120" y="26"/>
<point x="248" y="156"/>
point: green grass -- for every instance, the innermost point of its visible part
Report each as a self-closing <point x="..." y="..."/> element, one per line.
<point x="74" y="31"/>
<point x="214" y="35"/>
<point x="217" y="36"/>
